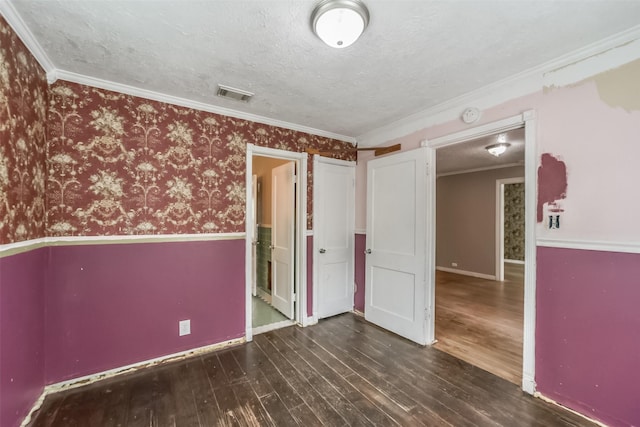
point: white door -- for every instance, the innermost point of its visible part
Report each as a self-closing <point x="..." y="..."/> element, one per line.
<point x="334" y="235"/>
<point x="398" y="288"/>
<point x="282" y="237"/>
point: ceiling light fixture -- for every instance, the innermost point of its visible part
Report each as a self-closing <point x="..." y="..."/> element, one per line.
<point x="339" y="23"/>
<point x="497" y="149"/>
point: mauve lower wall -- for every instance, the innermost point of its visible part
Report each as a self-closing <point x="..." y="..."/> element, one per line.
<point x="588" y="332"/>
<point x="359" y="270"/>
<point x="111" y="305"/>
<point x="21" y="340"/>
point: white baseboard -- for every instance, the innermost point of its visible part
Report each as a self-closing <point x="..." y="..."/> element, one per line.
<point x="514" y="261"/>
<point x="358" y="313"/>
<point x="467" y="273"/>
<point x="528" y="384"/>
<point x="36" y="405"/>
<point x="90" y="379"/>
<point x="311" y="320"/>
<point x="553" y="402"/>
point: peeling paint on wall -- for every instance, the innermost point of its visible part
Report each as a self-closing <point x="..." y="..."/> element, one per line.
<point x="552" y="182"/>
<point x="621" y="87"/>
<point x="618" y="88"/>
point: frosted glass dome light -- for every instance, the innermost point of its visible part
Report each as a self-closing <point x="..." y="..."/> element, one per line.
<point x="339" y="23"/>
<point x="497" y="149"/>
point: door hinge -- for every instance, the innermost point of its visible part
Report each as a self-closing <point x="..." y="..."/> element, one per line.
<point x="427" y="314"/>
<point x="295" y="297"/>
<point x="427" y="168"/>
<point x="295" y="179"/>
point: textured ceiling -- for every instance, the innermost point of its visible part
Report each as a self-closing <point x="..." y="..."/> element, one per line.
<point x="472" y="155"/>
<point x="414" y="54"/>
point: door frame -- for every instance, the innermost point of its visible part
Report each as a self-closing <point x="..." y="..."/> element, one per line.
<point x="316" y="245"/>
<point x="500" y="183"/>
<point x="528" y="120"/>
<point x="300" y="259"/>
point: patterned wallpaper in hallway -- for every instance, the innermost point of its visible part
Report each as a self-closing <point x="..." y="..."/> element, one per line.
<point x="122" y="165"/>
<point x="23" y="106"/>
<point x="514" y="221"/>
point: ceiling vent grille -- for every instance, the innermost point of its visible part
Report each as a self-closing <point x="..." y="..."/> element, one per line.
<point x="233" y="93"/>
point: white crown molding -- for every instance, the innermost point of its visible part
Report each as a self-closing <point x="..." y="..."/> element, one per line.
<point x="196" y="105"/>
<point x="16" y="22"/>
<point x="487" y="168"/>
<point x="590" y="245"/>
<point x="520" y="84"/>
<point x="360" y="231"/>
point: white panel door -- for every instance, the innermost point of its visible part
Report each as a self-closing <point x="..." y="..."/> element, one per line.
<point x="334" y="236"/>
<point x="397" y="284"/>
<point x="282" y="237"/>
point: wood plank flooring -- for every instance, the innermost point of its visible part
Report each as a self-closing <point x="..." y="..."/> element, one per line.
<point x="340" y="372"/>
<point x="480" y="321"/>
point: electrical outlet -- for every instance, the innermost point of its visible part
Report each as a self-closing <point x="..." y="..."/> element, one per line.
<point x="454" y="264"/>
<point x="184" y="327"/>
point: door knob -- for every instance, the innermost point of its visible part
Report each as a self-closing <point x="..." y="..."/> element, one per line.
<point x="322" y="250"/>
<point x="368" y="251"/>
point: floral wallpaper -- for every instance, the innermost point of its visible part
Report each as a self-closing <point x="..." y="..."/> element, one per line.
<point x="23" y="106"/>
<point x="514" y="221"/>
<point x="120" y="165"/>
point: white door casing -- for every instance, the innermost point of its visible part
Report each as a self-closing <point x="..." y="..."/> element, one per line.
<point x="500" y="183"/>
<point x="300" y="280"/>
<point x="398" y="289"/>
<point x="282" y="238"/>
<point x="334" y="235"/>
<point x="254" y="236"/>
<point x="528" y="120"/>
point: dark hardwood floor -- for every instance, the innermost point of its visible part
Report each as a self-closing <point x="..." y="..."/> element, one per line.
<point x="481" y="321"/>
<point x="342" y="371"/>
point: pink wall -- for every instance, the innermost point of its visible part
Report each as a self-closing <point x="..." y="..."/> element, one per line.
<point x="22" y="338"/>
<point x="588" y="332"/>
<point x="113" y="305"/>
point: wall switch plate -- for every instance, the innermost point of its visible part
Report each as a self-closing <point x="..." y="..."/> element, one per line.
<point x="454" y="264"/>
<point x="184" y="327"/>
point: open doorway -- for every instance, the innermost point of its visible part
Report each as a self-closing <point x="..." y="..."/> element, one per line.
<point x="276" y="210"/>
<point x="265" y="313"/>
<point x="479" y="301"/>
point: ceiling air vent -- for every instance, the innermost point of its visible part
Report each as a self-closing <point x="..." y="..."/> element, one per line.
<point x="233" y="93"/>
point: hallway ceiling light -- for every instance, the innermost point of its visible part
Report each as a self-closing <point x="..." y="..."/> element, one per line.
<point x="339" y="23"/>
<point x="497" y="149"/>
